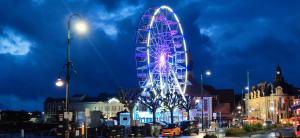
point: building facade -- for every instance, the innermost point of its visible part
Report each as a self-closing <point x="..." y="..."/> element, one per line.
<point x="81" y="104"/>
<point x="271" y="101"/>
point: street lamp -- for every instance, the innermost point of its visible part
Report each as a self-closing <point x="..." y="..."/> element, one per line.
<point x="239" y="107"/>
<point x="207" y="73"/>
<point x="59" y="82"/>
<point x="247" y="88"/>
<point x="80" y="27"/>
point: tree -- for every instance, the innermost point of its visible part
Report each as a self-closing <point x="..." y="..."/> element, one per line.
<point x="152" y="101"/>
<point x="170" y="102"/>
<point x="129" y="98"/>
<point x="187" y="104"/>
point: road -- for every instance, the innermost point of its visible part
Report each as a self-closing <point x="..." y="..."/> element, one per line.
<point x="272" y="134"/>
<point x="220" y="134"/>
<point x="287" y="132"/>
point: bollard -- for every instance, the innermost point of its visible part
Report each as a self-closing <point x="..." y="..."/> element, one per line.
<point x="22" y="133"/>
<point x="77" y="133"/>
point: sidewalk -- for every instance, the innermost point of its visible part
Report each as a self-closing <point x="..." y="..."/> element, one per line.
<point x="220" y="133"/>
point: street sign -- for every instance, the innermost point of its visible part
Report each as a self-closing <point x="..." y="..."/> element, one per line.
<point x="185" y="114"/>
<point x="215" y="115"/>
<point x="68" y="115"/>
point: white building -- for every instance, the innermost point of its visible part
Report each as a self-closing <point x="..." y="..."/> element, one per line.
<point x="81" y="104"/>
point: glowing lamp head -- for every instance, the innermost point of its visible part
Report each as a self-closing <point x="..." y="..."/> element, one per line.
<point x="246" y="88"/>
<point x="81" y="27"/>
<point x="59" y="82"/>
<point x="208" y="73"/>
<point x="239" y="107"/>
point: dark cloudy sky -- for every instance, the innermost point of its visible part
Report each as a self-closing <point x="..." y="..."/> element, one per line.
<point x="227" y="37"/>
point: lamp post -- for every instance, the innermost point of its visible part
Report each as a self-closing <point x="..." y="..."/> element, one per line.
<point x="81" y="28"/>
<point x="207" y="73"/>
<point x="248" y="89"/>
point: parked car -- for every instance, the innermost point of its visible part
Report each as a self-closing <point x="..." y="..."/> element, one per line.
<point x="164" y="122"/>
<point x="189" y="127"/>
<point x="159" y="123"/>
<point x="170" y="130"/>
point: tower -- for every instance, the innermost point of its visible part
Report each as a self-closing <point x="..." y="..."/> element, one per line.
<point x="278" y="75"/>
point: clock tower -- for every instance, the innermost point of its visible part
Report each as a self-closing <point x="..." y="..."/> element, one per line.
<point x="278" y="75"/>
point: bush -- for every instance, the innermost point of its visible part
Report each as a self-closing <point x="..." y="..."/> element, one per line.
<point x="277" y="126"/>
<point x="235" y="132"/>
<point x="288" y="125"/>
<point x="257" y="127"/>
<point x="248" y="128"/>
<point x="253" y="128"/>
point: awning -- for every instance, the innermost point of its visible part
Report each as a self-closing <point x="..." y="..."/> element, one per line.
<point x="295" y="107"/>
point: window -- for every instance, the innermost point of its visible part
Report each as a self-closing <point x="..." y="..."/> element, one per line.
<point x="113" y="108"/>
<point x="107" y="108"/>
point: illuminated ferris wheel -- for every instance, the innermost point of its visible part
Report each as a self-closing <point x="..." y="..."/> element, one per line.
<point x="161" y="52"/>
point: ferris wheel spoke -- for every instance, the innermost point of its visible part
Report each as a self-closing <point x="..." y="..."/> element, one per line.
<point x="177" y="83"/>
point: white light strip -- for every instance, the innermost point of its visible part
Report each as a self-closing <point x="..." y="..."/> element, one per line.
<point x="184" y="44"/>
<point x="166" y="7"/>
<point x="148" y="47"/>
<point x="186" y="65"/>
